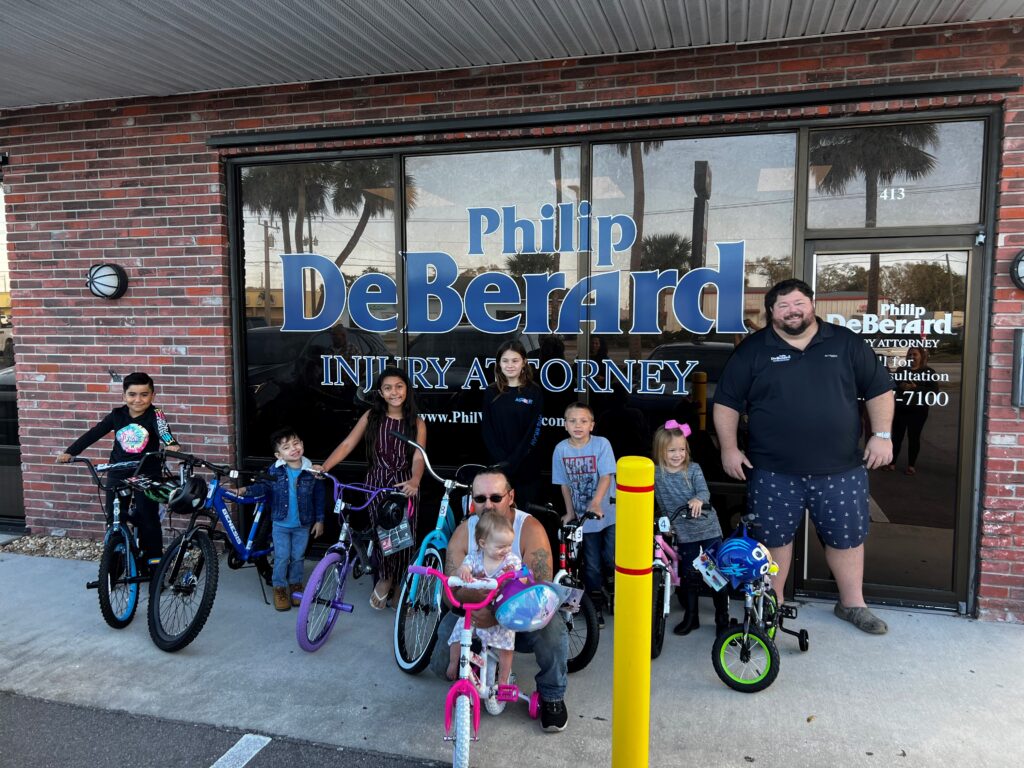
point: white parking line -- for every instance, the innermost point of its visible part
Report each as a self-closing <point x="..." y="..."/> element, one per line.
<point x="245" y="749"/>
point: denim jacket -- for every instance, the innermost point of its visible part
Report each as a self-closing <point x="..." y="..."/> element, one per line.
<point x="308" y="490"/>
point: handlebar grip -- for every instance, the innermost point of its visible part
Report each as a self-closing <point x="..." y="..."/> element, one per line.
<point x="545" y="508"/>
<point x="419" y="569"/>
<point x="395" y="433"/>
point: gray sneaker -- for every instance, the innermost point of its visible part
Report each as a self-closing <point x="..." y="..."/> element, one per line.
<point x="862" y="619"/>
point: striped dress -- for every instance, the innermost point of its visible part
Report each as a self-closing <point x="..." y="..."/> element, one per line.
<point x="390" y="465"/>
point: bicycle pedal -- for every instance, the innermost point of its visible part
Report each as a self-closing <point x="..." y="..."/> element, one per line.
<point x="507" y="692"/>
<point x="788" y="611"/>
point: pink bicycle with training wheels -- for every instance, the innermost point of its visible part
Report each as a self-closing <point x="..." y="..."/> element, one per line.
<point x="477" y="671"/>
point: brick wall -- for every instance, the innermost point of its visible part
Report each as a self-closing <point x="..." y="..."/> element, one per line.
<point x="133" y="182"/>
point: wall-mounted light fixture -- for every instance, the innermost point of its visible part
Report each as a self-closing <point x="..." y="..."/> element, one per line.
<point x="107" y="281"/>
<point x="1017" y="270"/>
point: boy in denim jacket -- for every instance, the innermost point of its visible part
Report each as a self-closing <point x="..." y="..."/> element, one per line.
<point x="296" y="499"/>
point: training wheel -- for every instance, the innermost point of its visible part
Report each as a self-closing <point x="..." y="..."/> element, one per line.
<point x="804" y="640"/>
<point x="534" y="705"/>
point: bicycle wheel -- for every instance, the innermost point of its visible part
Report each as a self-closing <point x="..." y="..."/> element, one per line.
<point x="460" y="759"/>
<point x="418" y="616"/>
<point x="658" y="611"/>
<point x="119" y="598"/>
<point x="317" y="612"/>
<point x="180" y="602"/>
<point x="747" y="664"/>
<point x="584" y="634"/>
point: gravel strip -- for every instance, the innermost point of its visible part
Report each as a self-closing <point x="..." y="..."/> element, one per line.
<point x="55" y="546"/>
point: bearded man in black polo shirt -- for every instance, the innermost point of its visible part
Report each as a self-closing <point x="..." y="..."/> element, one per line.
<point x="800" y="381"/>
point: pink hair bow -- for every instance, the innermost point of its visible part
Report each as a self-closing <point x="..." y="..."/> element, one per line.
<point x="684" y="428"/>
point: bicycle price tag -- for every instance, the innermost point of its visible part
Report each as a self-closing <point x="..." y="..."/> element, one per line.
<point x="395" y="539"/>
<point x="707" y="568"/>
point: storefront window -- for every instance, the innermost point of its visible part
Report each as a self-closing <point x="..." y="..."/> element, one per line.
<point x="692" y="200"/>
<point x="492" y="216"/>
<point x="896" y="175"/>
<point x="344" y="212"/>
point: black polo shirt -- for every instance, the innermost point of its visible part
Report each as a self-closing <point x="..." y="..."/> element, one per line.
<point x="803" y="406"/>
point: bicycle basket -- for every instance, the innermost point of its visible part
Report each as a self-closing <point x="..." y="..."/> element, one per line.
<point x="525" y="605"/>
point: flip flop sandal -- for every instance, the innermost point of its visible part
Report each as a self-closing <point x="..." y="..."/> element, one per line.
<point x="378" y="601"/>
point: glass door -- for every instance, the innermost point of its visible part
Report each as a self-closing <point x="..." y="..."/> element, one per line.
<point x="912" y="307"/>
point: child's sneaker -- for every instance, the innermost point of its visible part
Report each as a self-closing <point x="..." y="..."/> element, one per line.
<point x="553" y="716"/>
<point x="600" y="617"/>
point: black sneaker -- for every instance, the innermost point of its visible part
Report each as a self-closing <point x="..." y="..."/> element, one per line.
<point x="553" y="716"/>
<point x="600" y="617"/>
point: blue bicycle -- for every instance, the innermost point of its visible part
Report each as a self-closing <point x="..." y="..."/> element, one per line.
<point x="420" y="607"/>
<point x="184" y="587"/>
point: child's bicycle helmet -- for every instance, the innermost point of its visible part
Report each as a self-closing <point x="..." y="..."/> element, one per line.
<point x="525" y="605"/>
<point x="187" y="498"/>
<point x="740" y="558"/>
<point x="393" y="510"/>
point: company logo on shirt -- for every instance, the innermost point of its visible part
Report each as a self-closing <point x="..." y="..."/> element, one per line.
<point x="525" y="400"/>
<point x="781" y="359"/>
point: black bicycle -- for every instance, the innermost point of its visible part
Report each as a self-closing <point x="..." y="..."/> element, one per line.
<point x="122" y="568"/>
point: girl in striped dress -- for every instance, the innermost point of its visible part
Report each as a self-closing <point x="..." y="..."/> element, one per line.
<point x="393" y="463"/>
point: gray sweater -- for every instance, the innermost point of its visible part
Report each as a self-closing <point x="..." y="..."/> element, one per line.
<point x="672" y="491"/>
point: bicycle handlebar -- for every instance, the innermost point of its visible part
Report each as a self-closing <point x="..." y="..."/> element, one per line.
<point x="426" y="460"/>
<point x="95" y="469"/>
<point x="491" y="585"/>
<point x="192" y="460"/>
<point x="371" y="491"/>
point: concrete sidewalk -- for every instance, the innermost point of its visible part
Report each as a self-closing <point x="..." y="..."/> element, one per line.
<point x="936" y="691"/>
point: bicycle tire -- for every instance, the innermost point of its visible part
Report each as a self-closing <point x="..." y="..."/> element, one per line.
<point x="658" y="611"/>
<point x="584" y="634"/>
<point x="755" y="673"/>
<point x="118" y="599"/>
<point x="418" y="616"/>
<point x="460" y="755"/>
<point x="317" y="613"/>
<point x="179" y="608"/>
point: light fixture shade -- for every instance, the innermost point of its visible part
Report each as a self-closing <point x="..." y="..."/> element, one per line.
<point x="107" y="281"/>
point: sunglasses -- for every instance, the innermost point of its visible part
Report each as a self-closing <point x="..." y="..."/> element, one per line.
<point x="494" y="498"/>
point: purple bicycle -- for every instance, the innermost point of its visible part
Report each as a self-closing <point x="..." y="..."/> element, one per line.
<point x="323" y="598"/>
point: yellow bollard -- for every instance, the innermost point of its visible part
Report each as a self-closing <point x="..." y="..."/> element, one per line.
<point x="700" y="396"/>
<point x="634" y="554"/>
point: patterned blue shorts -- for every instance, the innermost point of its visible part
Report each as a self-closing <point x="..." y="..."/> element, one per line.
<point x="838" y="505"/>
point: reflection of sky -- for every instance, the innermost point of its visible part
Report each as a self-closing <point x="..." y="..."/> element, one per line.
<point x="751" y="191"/>
<point x="949" y="194"/>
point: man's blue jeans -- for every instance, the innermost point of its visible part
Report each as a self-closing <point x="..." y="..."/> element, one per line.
<point x="550" y="647"/>
<point x="289" y="548"/>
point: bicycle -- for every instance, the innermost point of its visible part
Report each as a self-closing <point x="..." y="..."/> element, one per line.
<point x="420" y="608"/>
<point x="322" y="600"/>
<point x="745" y="656"/>
<point x="183" y="589"/>
<point x="477" y="671"/>
<point x="582" y="625"/>
<point x="665" y="576"/>
<point x="121" y="569"/>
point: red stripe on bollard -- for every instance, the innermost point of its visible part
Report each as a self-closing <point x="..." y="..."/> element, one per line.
<point x="634" y="488"/>
<point x="633" y="571"/>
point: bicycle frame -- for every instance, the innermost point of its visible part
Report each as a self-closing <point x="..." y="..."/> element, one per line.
<point x="474" y="684"/>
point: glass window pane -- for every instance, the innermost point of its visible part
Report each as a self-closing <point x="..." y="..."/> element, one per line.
<point x="896" y="175"/>
<point x="688" y="198"/>
<point x="343" y="210"/>
<point x="447" y="186"/>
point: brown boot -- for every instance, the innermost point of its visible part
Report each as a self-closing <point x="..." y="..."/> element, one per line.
<point x="292" y="589"/>
<point x="281" y="601"/>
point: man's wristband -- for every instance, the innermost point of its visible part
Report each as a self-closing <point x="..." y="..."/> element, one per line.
<point x="883" y="435"/>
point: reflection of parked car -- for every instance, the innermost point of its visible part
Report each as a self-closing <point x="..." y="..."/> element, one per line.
<point x="6" y="340"/>
<point x="710" y="358"/>
<point x="466" y="343"/>
<point x="8" y="408"/>
<point x="284" y="385"/>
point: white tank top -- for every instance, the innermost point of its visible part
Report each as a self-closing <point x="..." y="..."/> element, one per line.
<point x="517" y="527"/>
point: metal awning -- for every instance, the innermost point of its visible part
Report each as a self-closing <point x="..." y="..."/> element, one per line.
<point x="54" y="51"/>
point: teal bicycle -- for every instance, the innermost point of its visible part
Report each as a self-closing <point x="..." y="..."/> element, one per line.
<point x="420" y="605"/>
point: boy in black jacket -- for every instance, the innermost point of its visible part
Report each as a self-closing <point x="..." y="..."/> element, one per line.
<point x="139" y="428"/>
